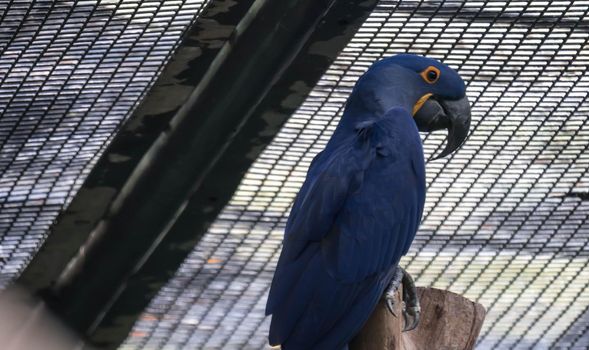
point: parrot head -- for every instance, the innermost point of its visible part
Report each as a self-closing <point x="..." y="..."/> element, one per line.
<point x="444" y="104"/>
<point x="433" y="92"/>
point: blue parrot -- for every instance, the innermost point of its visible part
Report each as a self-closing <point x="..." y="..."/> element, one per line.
<point x="361" y="203"/>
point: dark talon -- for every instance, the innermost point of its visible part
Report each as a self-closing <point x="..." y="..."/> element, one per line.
<point x="392" y="289"/>
<point x="412" y="309"/>
<point x="391" y="306"/>
<point x="413" y="315"/>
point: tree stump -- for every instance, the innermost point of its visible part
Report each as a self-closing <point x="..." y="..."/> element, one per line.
<point x="448" y="322"/>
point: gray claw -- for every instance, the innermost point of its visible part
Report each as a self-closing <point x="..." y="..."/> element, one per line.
<point x="412" y="310"/>
<point x="410" y="304"/>
<point x="411" y="315"/>
<point x="391" y="306"/>
<point x="392" y="289"/>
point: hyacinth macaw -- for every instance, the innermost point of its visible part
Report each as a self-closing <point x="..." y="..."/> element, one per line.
<point x="361" y="203"/>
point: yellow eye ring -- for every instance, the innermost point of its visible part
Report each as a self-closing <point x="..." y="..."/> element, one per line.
<point x="431" y="74"/>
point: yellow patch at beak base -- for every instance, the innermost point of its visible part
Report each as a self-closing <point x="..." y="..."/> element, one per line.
<point x="420" y="102"/>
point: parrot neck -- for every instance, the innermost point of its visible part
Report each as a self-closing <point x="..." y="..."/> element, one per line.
<point x="384" y="87"/>
<point x="379" y="90"/>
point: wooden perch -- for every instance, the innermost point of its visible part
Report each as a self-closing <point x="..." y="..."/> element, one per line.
<point x="448" y="322"/>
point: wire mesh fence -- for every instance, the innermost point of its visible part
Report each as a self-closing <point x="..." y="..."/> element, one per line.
<point x="70" y="72"/>
<point x="505" y="221"/>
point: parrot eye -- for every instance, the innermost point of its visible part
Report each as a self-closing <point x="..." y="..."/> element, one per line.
<point x="431" y="74"/>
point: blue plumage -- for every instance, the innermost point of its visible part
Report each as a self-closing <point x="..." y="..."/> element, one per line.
<point x="356" y="214"/>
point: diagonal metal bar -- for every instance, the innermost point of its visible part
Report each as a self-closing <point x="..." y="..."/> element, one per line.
<point x="240" y="72"/>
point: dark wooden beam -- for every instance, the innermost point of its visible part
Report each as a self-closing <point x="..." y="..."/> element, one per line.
<point x="179" y="158"/>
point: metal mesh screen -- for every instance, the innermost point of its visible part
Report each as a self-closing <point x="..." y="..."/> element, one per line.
<point x="506" y="217"/>
<point x="70" y="72"/>
<point x="505" y="222"/>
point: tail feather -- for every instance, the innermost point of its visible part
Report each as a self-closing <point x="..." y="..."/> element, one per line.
<point x="287" y="277"/>
<point x="323" y="313"/>
<point x="288" y="304"/>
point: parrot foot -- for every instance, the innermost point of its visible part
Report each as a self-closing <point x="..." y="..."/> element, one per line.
<point x="392" y="289"/>
<point x="411" y="308"/>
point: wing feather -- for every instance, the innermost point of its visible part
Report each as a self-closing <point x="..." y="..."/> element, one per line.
<point x="353" y="219"/>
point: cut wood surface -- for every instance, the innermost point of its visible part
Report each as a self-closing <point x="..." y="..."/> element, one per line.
<point x="448" y="322"/>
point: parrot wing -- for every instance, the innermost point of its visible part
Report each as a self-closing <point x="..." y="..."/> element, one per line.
<point x="345" y="234"/>
<point x="311" y="218"/>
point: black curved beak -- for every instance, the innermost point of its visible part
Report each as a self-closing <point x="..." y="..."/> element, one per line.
<point x="454" y="115"/>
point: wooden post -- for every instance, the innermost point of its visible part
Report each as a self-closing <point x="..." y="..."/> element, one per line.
<point x="448" y="322"/>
